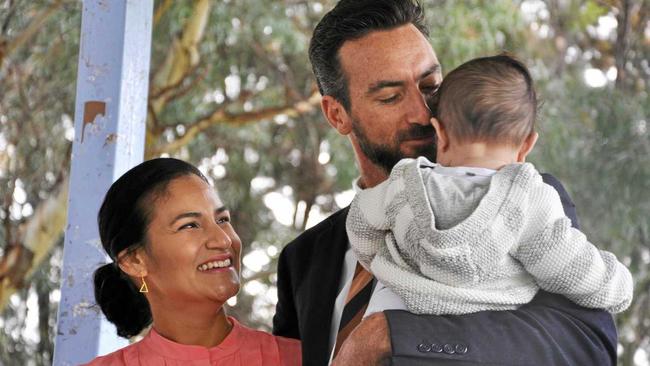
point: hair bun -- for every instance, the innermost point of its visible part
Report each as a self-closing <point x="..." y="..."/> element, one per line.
<point x="121" y="303"/>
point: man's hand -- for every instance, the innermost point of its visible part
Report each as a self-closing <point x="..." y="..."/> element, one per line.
<point x="368" y="344"/>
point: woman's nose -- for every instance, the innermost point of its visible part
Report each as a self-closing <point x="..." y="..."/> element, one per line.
<point x="218" y="238"/>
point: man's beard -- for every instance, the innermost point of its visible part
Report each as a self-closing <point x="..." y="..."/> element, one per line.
<point x="387" y="155"/>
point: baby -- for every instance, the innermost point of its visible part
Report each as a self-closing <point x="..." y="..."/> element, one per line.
<point x="479" y="230"/>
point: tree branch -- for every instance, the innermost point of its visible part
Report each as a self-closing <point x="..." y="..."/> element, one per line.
<point x="622" y="41"/>
<point x="184" y="53"/>
<point x="284" y="73"/>
<point x="8" y="200"/>
<point x="181" y="62"/>
<point x="10" y="14"/>
<point x="160" y="11"/>
<point x="41" y="232"/>
<point x="34" y="26"/>
<point x="220" y="115"/>
<point x="164" y="91"/>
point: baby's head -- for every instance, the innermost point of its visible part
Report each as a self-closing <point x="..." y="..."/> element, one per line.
<point x="486" y="113"/>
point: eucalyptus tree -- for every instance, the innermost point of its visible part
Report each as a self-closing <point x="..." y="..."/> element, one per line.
<point x="231" y="91"/>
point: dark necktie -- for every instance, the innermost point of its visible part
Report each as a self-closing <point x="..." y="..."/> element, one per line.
<point x="355" y="304"/>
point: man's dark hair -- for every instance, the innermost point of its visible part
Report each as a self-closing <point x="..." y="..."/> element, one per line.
<point x="490" y="99"/>
<point x="350" y="20"/>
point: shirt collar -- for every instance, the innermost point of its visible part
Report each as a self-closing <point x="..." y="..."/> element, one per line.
<point x="170" y="349"/>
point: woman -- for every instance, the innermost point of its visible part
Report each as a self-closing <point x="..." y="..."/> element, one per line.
<point x="176" y="261"/>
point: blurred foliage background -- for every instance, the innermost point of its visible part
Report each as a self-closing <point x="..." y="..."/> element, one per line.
<point x="231" y="91"/>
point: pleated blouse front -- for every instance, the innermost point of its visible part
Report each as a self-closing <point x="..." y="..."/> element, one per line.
<point x="243" y="346"/>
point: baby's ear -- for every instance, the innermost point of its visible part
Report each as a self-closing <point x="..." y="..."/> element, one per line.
<point x="527" y="146"/>
<point x="441" y="134"/>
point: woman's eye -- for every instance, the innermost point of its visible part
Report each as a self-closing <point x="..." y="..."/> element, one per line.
<point x="223" y="220"/>
<point x="190" y="225"/>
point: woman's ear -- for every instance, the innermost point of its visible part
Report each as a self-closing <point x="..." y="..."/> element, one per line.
<point x="527" y="146"/>
<point x="336" y="115"/>
<point x="441" y="135"/>
<point x="133" y="262"/>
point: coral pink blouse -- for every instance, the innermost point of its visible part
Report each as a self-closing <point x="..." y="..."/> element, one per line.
<point x="242" y="347"/>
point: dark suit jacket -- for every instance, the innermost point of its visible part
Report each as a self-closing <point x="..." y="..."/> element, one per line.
<point x="548" y="331"/>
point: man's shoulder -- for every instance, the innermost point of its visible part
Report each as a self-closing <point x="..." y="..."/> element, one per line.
<point x="567" y="203"/>
<point x="552" y="181"/>
<point x="312" y="236"/>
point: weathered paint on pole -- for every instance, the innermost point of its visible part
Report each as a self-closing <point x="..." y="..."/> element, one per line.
<point x="110" y="117"/>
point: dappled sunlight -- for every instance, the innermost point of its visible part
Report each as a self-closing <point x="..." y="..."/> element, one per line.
<point x="235" y="96"/>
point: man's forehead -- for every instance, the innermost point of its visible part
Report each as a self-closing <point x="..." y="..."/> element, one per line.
<point x="395" y="54"/>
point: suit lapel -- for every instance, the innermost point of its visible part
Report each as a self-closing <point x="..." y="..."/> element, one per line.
<point x="325" y="277"/>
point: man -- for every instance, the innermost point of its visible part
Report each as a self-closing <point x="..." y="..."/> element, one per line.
<point x="375" y="70"/>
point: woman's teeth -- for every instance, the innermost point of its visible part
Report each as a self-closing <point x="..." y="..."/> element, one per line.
<point x="214" y="264"/>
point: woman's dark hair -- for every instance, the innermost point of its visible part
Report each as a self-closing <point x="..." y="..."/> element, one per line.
<point x="123" y="220"/>
<point x="350" y="20"/>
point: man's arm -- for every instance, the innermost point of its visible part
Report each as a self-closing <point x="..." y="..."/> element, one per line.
<point x="567" y="203"/>
<point x="553" y="331"/>
<point x="550" y="330"/>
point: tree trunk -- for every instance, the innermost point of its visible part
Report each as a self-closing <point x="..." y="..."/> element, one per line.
<point x="45" y="351"/>
<point x="622" y="42"/>
<point x="41" y="232"/>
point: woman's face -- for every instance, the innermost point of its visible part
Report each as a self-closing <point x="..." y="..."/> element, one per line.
<point x="193" y="253"/>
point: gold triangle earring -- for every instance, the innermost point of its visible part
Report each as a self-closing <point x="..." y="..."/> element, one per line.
<point x="144" y="287"/>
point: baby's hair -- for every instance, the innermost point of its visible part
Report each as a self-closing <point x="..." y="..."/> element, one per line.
<point x="489" y="99"/>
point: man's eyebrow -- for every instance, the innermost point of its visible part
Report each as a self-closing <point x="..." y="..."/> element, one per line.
<point x="432" y="70"/>
<point x="377" y="86"/>
<point x="221" y="209"/>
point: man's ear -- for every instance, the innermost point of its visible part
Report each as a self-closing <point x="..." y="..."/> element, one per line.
<point x="336" y="114"/>
<point x="441" y="135"/>
<point x="133" y="262"/>
<point x="527" y="146"/>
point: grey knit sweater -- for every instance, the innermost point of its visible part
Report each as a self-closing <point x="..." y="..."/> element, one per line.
<point x="492" y="253"/>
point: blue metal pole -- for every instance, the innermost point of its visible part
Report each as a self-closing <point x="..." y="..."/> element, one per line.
<point x="110" y="117"/>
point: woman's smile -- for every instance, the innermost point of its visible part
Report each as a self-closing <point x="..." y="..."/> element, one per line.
<point x="216" y="265"/>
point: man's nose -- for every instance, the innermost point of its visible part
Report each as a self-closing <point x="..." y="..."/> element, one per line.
<point x="418" y="110"/>
<point x="217" y="238"/>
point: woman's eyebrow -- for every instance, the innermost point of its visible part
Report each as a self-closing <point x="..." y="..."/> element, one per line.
<point x="185" y="215"/>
